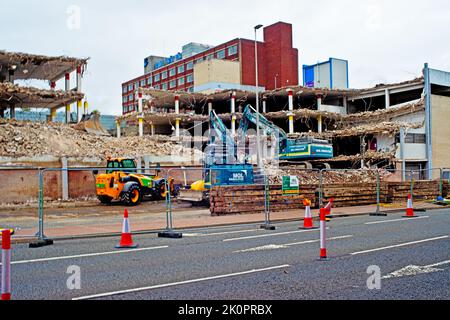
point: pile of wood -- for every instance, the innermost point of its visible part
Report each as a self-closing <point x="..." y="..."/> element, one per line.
<point x="251" y="199"/>
<point x="354" y="194"/>
<point x="422" y="190"/>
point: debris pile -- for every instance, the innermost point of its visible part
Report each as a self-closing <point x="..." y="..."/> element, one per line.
<point x="23" y="138"/>
<point x="275" y="175"/>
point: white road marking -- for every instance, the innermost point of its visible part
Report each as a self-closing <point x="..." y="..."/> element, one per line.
<point x="399" y="245"/>
<point x="287" y="245"/>
<point x="108" y="294"/>
<point x="415" y="270"/>
<point x="88" y="255"/>
<point x="219" y="233"/>
<point x="269" y="235"/>
<point x="396" y="220"/>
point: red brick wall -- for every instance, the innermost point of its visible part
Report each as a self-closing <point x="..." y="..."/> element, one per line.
<point x="276" y="56"/>
<point x="281" y="57"/>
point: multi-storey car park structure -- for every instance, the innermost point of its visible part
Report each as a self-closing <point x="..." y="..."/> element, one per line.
<point x="402" y="125"/>
<point x="231" y="65"/>
<point x="21" y="66"/>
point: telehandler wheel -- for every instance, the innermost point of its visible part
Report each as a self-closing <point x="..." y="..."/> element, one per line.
<point x="105" y="199"/>
<point x="160" y="192"/>
<point x="132" y="197"/>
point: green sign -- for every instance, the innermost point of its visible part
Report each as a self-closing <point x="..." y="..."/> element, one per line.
<point x="291" y="186"/>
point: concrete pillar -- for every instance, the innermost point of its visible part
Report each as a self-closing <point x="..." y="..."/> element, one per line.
<point x="146" y="165"/>
<point x="345" y="104"/>
<point x="141" y="115"/>
<point x="319" y="124"/>
<point x="118" y="129"/>
<point x="79" y="103"/>
<point x="388" y="98"/>
<point x="264" y="105"/>
<point x="67" y="87"/>
<point x="152" y="128"/>
<point x="139" y="165"/>
<point x="64" y="179"/>
<point x="53" y="115"/>
<point x="86" y="107"/>
<point x="177" y="121"/>
<point x="141" y="126"/>
<point x="233" y="113"/>
<point x="210" y="106"/>
<point x="291" y="109"/>
<point x="79" y="110"/>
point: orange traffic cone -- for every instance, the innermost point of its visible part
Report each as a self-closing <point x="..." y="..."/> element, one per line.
<point x="308" y="221"/>
<point x="126" y="242"/>
<point x="409" y="208"/>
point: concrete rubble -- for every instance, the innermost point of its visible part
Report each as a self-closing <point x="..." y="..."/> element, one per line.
<point x="22" y="138"/>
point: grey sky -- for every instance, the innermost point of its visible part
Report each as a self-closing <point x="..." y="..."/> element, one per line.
<point x="384" y="41"/>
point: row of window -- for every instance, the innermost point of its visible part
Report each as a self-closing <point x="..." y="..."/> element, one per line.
<point x="178" y="70"/>
<point x="168" y="85"/>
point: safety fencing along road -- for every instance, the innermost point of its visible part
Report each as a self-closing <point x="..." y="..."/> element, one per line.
<point x="66" y="204"/>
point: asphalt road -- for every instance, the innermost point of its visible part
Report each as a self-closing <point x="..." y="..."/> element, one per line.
<point x="245" y="262"/>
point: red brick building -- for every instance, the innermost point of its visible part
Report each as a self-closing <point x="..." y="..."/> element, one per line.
<point x="277" y="64"/>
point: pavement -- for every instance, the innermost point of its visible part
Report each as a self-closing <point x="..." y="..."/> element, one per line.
<point x="98" y="219"/>
<point x="412" y="257"/>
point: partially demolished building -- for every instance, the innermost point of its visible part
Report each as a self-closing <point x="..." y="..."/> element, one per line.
<point x="21" y="66"/>
<point x="402" y="125"/>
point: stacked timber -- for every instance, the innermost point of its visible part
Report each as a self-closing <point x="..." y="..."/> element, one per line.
<point x="354" y="194"/>
<point x="422" y="190"/>
<point x="251" y="199"/>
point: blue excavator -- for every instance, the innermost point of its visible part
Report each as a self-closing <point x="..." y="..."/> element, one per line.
<point x="300" y="149"/>
<point x="221" y="166"/>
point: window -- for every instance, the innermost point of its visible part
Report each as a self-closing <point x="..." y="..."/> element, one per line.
<point x="164" y="75"/>
<point x="191" y="89"/>
<point x="130" y="87"/>
<point x="157" y="77"/>
<point x="125" y="109"/>
<point x="221" y="54"/>
<point x="149" y="81"/>
<point x="181" y="81"/>
<point x="172" y="72"/>
<point x="232" y="50"/>
<point x="157" y="87"/>
<point x="173" y="84"/>
<point x="199" y="60"/>
<point x="210" y="56"/>
<point x="181" y="69"/>
<point x="189" y="78"/>
<point x="415" y="138"/>
<point x="125" y="99"/>
<point x="190" y="65"/>
<point x="131" y="97"/>
<point x="136" y="85"/>
<point x="124" y="89"/>
<point x="143" y="83"/>
<point x="164" y="86"/>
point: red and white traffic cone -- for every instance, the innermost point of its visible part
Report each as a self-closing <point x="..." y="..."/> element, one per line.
<point x="308" y="220"/>
<point x="410" y="208"/>
<point x="126" y="241"/>
<point x="323" y="235"/>
<point x="6" y="265"/>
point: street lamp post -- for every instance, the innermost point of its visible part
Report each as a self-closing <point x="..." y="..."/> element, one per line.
<point x="258" y="138"/>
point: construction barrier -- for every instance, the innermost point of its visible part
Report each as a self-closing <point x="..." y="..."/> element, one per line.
<point x="308" y="223"/>
<point x="67" y="194"/>
<point x="6" y="265"/>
